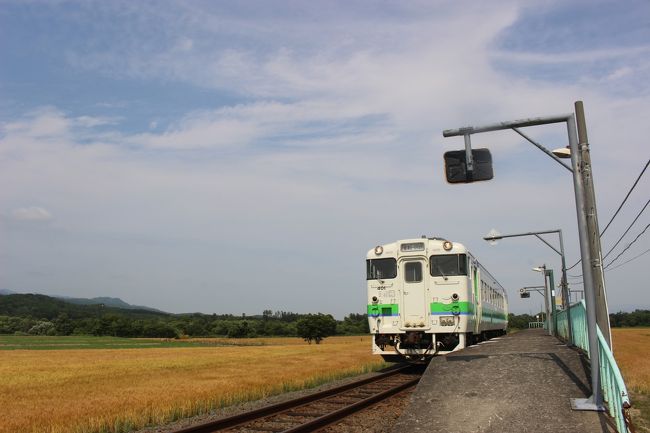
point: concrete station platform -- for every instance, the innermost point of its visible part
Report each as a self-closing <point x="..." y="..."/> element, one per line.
<point x="519" y="383"/>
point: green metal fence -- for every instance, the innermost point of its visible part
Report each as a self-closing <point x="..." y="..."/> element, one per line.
<point x="614" y="390"/>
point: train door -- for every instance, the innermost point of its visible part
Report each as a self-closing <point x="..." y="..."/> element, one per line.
<point x="413" y="272"/>
<point x="476" y="287"/>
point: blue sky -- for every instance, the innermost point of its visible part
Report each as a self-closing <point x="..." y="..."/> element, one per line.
<point x="241" y="156"/>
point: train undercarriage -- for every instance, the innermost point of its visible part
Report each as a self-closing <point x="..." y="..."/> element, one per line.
<point x="418" y="346"/>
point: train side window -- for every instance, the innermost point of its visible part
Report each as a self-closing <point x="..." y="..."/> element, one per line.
<point x="462" y="264"/>
<point x="383" y="269"/>
<point x="413" y="272"/>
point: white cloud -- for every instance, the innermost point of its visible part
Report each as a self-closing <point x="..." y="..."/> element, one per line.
<point x="578" y="56"/>
<point x="197" y="133"/>
<point x="92" y="121"/>
<point x="32" y="214"/>
<point x="619" y="73"/>
<point x="184" y="44"/>
<point x="42" y="123"/>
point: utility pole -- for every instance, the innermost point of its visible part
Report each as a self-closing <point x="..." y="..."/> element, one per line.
<point x="551" y="283"/>
<point x="549" y="316"/>
<point x="596" y="254"/>
<point x="585" y="210"/>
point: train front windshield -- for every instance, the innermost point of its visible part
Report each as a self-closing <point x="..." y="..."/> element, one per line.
<point x="381" y="269"/>
<point x="448" y="265"/>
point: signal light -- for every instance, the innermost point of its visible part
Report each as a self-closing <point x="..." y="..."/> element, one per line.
<point x="456" y="166"/>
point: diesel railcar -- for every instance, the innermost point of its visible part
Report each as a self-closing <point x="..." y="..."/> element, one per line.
<point x="429" y="296"/>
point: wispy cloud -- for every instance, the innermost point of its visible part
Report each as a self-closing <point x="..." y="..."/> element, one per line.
<point x="577" y="56"/>
<point x="51" y="122"/>
<point x="31" y="214"/>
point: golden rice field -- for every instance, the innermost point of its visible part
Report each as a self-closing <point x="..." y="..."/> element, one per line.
<point x="632" y="353"/>
<point x="113" y="390"/>
<point x="109" y="390"/>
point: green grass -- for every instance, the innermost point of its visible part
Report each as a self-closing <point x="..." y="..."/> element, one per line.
<point x="19" y="342"/>
<point x="640" y="412"/>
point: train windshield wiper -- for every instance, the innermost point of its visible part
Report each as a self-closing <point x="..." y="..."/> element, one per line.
<point x="441" y="273"/>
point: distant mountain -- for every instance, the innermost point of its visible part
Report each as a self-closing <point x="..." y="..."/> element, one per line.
<point x="101" y="300"/>
<point x="107" y="302"/>
<point x="47" y="307"/>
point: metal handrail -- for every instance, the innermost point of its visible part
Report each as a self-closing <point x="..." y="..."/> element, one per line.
<point x="537" y="325"/>
<point x="612" y="383"/>
<point x="614" y="390"/>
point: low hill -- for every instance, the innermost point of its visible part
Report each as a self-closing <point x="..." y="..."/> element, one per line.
<point x="47" y="307"/>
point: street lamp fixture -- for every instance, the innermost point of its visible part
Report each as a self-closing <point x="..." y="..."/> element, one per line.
<point x="562" y="152"/>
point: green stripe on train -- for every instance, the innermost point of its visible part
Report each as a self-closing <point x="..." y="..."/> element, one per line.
<point x="437" y="308"/>
<point x="494" y="314"/>
<point x="375" y="310"/>
<point x="453" y="308"/>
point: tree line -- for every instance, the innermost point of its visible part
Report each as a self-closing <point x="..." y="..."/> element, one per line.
<point x="43" y="315"/>
<point x="28" y="314"/>
<point x="625" y="320"/>
<point x="617" y="320"/>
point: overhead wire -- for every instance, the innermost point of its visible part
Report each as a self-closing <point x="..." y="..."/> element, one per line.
<point x="626" y="197"/>
<point x="628" y="247"/>
<point x="633" y="258"/>
<point x="627" y="230"/>
<point x="621" y="238"/>
<point x="619" y="209"/>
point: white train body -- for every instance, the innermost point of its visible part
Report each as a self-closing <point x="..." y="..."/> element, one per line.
<point x="428" y="297"/>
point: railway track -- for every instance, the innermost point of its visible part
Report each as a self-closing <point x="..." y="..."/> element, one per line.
<point x="315" y="411"/>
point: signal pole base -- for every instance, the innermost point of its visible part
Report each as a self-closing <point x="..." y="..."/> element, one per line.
<point x="586" y="404"/>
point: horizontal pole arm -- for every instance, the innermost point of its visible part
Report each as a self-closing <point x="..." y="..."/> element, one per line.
<point x="536" y="234"/>
<point x="543" y="232"/>
<point x="534" y="121"/>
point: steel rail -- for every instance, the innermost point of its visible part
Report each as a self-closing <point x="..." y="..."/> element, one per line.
<point x="246" y="417"/>
<point x="346" y="411"/>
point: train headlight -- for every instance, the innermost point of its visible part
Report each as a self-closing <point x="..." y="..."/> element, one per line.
<point x="447" y="321"/>
<point x="446" y="245"/>
<point x="378" y="250"/>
